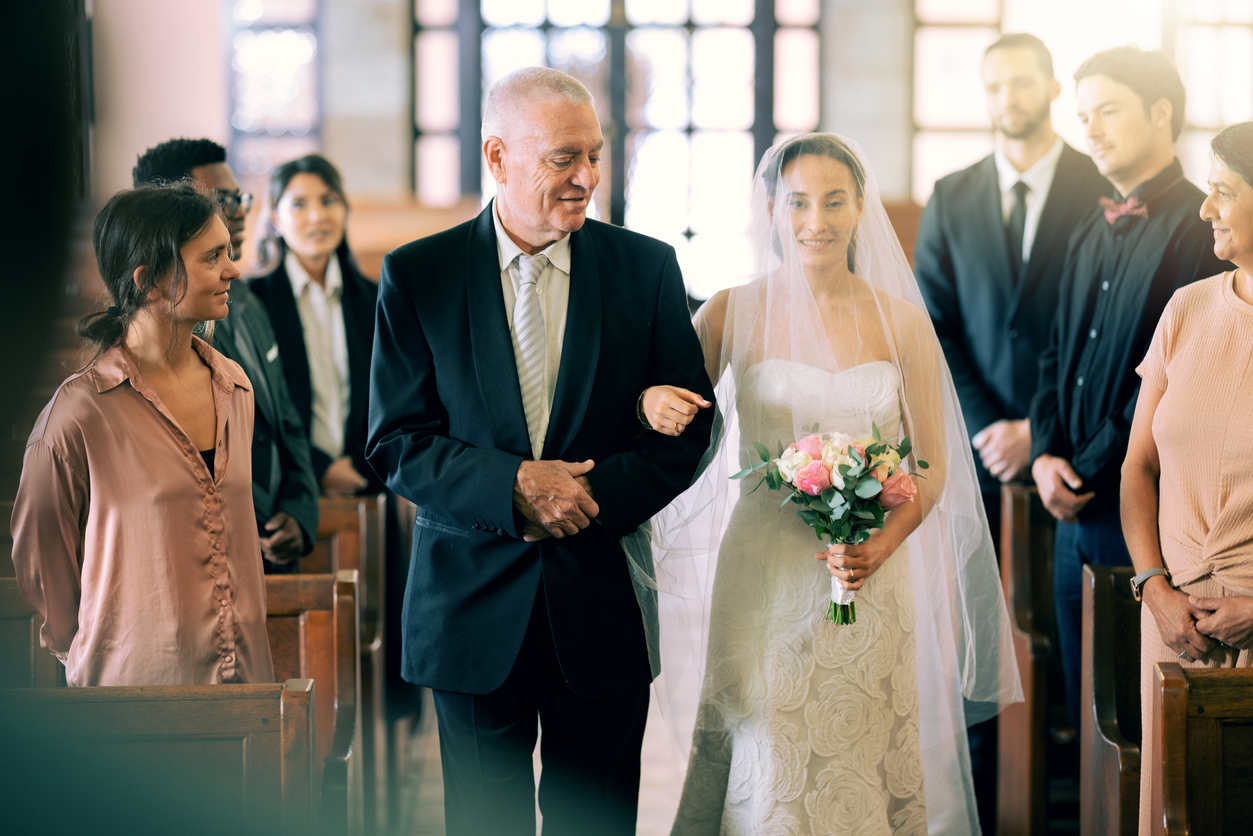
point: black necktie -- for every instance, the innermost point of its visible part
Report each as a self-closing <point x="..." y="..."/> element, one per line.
<point x="1014" y="228"/>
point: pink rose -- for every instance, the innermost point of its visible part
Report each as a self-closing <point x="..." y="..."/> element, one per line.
<point x="811" y="445"/>
<point x="813" y="478"/>
<point x="897" y="490"/>
<point x="861" y="450"/>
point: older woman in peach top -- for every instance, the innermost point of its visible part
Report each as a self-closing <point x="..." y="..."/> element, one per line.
<point x="1187" y="482"/>
<point x="133" y="529"/>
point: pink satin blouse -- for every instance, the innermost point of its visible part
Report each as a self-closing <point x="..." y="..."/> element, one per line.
<point x="147" y="569"/>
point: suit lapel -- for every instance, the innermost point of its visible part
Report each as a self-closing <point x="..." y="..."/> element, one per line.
<point x="1050" y="231"/>
<point x="580" y="351"/>
<point x="991" y="218"/>
<point x="490" y="341"/>
<point x="291" y="342"/>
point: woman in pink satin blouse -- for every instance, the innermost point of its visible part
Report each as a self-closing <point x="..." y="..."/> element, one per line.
<point x="133" y="529"/>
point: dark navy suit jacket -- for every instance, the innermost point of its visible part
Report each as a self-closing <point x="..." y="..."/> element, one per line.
<point x="447" y="431"/>
<point x="992" y="328"/>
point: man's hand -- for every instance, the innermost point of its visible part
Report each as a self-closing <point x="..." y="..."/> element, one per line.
<point x="1005" y="448"/>
<point x="670" y="409"/>
<point x="1057" y="482"/>
<point x="549" y="496"/>
<point x="342" y="479"/>
<point x="286" y="543"/>
<point x="1228" y="620"/>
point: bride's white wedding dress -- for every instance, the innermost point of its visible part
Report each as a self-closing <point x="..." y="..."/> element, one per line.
<point x="805" y="728"/>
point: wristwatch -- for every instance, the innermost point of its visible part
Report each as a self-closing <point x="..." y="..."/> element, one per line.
<point x="1137" y="583"/>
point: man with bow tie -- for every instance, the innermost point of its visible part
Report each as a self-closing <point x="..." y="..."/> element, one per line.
<point x="1135" y="248"/>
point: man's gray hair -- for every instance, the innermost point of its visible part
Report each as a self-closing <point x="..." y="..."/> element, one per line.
<point x="523" y="84"/>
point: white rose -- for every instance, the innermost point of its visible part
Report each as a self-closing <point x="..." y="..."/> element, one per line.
<point x="791" y="461"/>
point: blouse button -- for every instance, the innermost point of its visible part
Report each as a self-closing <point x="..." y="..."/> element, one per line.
<point x="1104" y="285"/>
<point x="209" y="489"/>
<point x="1079" y="381"/>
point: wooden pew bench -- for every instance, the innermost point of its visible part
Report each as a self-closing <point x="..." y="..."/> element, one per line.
<point x="1109" y="731"/>
<point x="312" y="624"/>
<point x="244" y="753"/>
<point x="1023" y="728"/>
<point x="23" y="663"/>
<point x="1203" y="731"/>
<point x="352" y="535"/>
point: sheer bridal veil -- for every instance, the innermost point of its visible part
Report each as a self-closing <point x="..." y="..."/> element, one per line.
<point x="965" y="663"/>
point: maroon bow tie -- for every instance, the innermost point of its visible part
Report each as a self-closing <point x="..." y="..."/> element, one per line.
<point x="1115" y="210"/>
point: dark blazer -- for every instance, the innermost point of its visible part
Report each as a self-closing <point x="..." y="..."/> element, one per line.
<point x="992" y="328"/>
<point x="360" y="295"/>
<point x="282" y="471"/>
<point x="447" y="431"/>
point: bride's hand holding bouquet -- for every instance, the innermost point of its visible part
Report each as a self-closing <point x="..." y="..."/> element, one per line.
<point x="847" y="488"/>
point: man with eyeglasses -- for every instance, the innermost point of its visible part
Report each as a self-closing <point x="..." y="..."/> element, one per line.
<point x="284" y="489"/>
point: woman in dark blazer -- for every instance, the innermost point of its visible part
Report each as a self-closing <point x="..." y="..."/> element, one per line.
<point x="322" y="309"/>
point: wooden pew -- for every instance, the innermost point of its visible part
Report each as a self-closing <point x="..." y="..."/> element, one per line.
<point x="23" y="663"/>
<point x="1203" y="731"/>
<point x="244" y="752"/>
<point x="1109" y="733"/>
<point x="312" y="624"/>
<point x="1023" y="728"/>
<point x="352" y="535"/>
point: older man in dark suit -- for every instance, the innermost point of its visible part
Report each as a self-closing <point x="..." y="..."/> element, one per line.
<point x="989" y="258"/>
<point x="508" y="358"/>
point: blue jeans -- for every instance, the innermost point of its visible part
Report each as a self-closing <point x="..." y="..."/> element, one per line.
<point x="1093" y="540"/>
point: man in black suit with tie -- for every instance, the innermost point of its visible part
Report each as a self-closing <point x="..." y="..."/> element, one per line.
<point x="989" y="257"/>
<point x="509" y="357"/>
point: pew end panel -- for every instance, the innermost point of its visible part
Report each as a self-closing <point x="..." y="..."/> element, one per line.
<point x="1203" y="723"/>
<point x="238" y="754"/>
<point x="312" y="621"/>
<point x="1110" y="725"/>
<point x="1023" y="728"/>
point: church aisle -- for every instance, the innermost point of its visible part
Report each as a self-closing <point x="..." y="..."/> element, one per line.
<point x="661" y="778"/>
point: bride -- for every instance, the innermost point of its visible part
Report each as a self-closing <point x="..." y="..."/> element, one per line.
<point x="803" y="726"/>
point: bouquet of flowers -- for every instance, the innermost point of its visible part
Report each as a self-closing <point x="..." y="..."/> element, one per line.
<point x="845" y="488"/>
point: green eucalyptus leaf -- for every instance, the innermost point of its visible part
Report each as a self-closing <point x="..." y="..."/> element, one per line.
<point x="762" y="451"/>
<point x="923" y="465"/>
<point x="874" y="429"/>
<point x="868" y="487"/>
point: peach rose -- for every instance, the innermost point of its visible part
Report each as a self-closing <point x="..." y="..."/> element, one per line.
<point x="811" y="445"/>
<point x="813" y="478"/>
<point x="897" y="490"/>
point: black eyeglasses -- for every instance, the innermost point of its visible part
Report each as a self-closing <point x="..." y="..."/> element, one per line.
<point x="232" y="202"/>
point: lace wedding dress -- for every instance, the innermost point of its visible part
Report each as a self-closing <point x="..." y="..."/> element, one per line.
<point x="812" y="729"/>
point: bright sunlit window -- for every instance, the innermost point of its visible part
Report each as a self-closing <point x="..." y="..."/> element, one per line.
<point x="1211" y="41"/>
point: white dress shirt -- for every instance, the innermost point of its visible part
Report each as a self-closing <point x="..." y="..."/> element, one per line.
<point x="322" y="321"/>
<point x="553" y="289"/>
<point x="1038" y="179"/>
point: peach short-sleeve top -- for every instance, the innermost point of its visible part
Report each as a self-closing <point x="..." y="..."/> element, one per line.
<point x="1201" y="358"/>
<point x="146" y="568"/>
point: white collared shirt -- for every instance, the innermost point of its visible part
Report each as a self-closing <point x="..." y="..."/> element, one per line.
<point x="1039" y="178"/>
<point x="322" y="322"/>
<point x="553" y="289"/>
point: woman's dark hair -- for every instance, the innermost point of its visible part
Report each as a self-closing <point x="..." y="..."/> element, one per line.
<point x="819" y="145"/>
<point x="1234" y="146"/>
<point x="273" y="248"/>
<point x="145" y="227"/>
<point x="1149" y="74"/>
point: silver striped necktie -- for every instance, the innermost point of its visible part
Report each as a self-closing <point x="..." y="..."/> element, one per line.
<point x="528" y="327"/>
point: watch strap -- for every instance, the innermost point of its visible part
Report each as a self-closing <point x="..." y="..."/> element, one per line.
<point x="1137" y="583"/>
